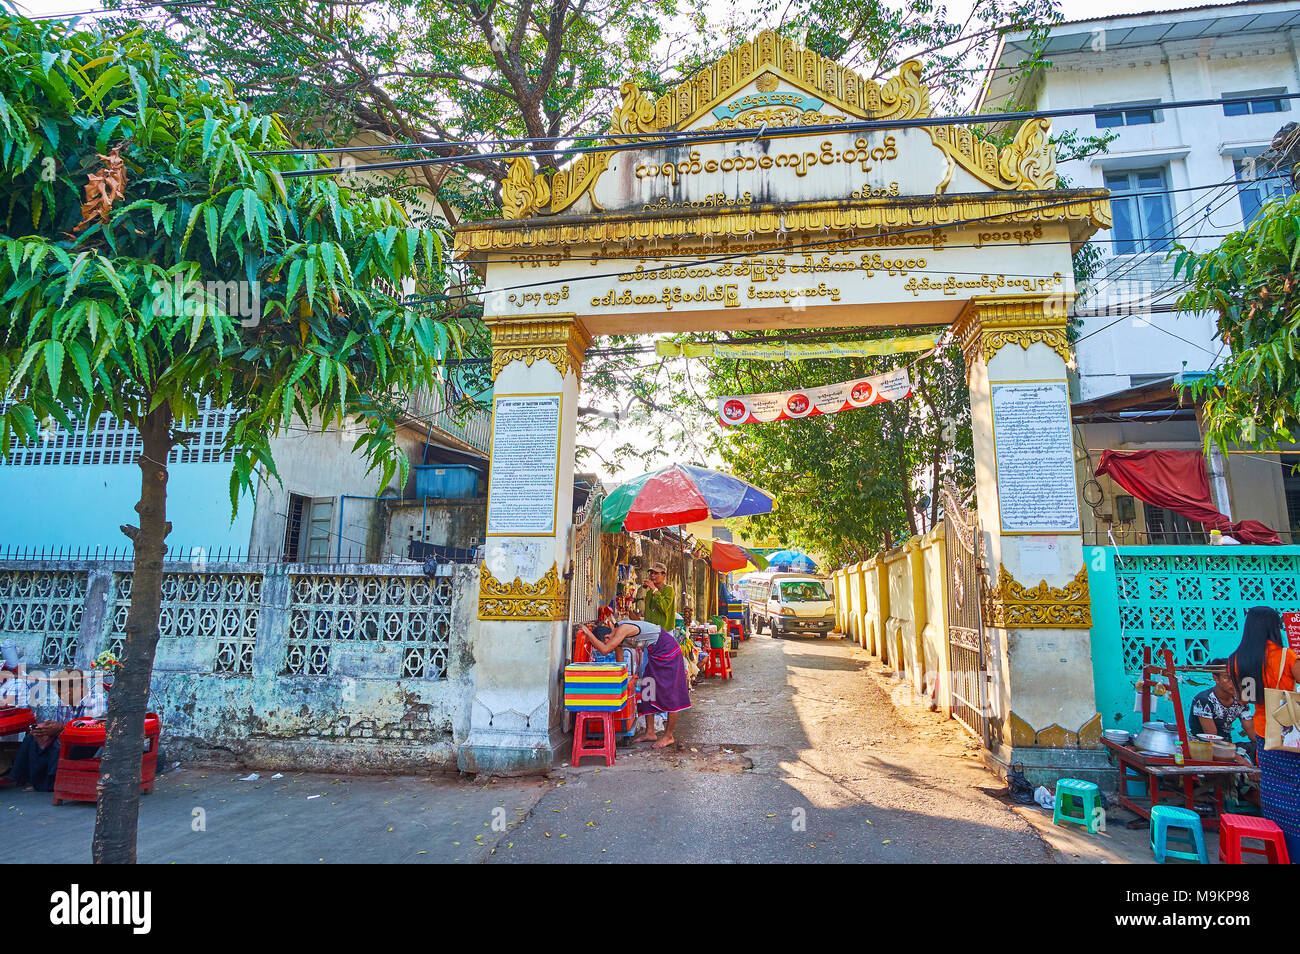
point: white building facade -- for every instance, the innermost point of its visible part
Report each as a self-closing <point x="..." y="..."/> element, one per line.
<point x="1175" y="175"/>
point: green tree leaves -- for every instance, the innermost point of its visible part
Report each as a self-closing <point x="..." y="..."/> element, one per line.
<point x="213" y="277"/>
<point x="1250" y="281"/>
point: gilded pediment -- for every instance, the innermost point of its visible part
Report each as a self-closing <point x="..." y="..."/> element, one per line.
<point x="772" y="82"/>
<point x="763" y="63"/>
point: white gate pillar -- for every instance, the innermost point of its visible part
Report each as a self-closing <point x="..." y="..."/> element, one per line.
<point x="523" y="605"/>
<point x="1036" y="610"/>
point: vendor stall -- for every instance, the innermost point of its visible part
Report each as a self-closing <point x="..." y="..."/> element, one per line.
<point x="1170" y="756"/>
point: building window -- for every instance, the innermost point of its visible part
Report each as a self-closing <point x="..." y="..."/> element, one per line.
<point x="1137" y="114"/>
<point x="293" y="527"/>
<point x="1257" y="184"/>
<point x="1139" y="203"/>
<point x="1278" y="105"/>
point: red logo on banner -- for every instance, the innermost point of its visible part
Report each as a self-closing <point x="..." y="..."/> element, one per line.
<point x="861" y="392"/>
<point x="734" y="410"/>
<point x="797" y="404"/>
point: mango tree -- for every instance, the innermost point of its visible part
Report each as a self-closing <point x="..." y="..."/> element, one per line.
<point x="1250" y="282"/>
<point x="151" y="262"/>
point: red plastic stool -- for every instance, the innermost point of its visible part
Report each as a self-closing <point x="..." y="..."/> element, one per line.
<point x="719" y="663"/>
<point x="1233" y="829"/>
<point x="735" y="629"/>
<point x="583" y="748"/>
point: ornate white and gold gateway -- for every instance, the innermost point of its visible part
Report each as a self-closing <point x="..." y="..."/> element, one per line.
<point x="776" y="213"/>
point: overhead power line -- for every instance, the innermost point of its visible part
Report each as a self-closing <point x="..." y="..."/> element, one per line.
<point x="776" y="249"/>
<point x="629" y="141"/>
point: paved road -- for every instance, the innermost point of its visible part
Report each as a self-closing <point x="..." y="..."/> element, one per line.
<point x="801" y="757"/>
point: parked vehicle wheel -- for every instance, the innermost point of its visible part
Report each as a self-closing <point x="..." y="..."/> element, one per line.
<point x="776" y="630"/>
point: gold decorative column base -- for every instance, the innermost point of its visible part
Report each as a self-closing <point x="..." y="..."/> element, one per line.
<point x="1011" y="605"/>
<point x="987" y="324"/>
<point x="1087" y="736"/>
<point x="559" y="339"/>
<point x="545" y="600"/>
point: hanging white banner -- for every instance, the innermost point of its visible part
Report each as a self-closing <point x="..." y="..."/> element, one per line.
<point x="736" y="409"/>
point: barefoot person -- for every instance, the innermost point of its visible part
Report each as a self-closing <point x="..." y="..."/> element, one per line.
<point x="664" y="688"/>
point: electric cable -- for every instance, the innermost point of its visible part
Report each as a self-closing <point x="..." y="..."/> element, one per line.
<point x="623" y="142"/>
<point x="957" y="224"/>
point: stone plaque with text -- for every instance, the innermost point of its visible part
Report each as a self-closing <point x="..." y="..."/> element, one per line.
<point x="525" y="465"/>
<point x="1035" y="458"/>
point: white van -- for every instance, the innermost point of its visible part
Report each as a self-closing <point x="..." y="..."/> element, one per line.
<point x="784" y="602"/>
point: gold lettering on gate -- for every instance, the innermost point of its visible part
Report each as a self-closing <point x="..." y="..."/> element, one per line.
<point x="952" y="285"/>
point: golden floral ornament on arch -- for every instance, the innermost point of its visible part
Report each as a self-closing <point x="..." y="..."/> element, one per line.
<point x="905" y="96"/>
<point x="545" y="600"/>
<point x="1012" y="605"/>
<point x="635" y="114"/>
<point x="1029" y="160"/>
<point x="561" y="340"/>
<point x="524" y="190"/>
<point x="989" y="324"/>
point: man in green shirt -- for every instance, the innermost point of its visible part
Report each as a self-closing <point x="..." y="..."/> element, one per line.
<point x="660" y="607"/>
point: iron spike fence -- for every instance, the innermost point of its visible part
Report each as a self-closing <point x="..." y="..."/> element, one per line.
<point x="194" y="556"/>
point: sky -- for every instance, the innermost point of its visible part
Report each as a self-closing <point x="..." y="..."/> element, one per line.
<point x="1072" y="10"/>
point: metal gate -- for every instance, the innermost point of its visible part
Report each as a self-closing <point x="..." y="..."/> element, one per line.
<point x="966" y="664"/>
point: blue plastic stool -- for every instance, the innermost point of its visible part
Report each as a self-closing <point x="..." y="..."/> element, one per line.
<point x="1166" y="818"/>
<point x="1072" y="794"/>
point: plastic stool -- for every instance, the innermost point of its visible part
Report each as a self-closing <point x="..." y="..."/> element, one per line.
<point x="1074" y="793"/>
<point x="720" y="663"/>
<point x="582" y="748"/>
<point x="1165" y="818"/>
<point x="1233" y="829"/>
<point x="735" y="630"/>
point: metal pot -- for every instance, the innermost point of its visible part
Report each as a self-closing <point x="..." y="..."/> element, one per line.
<point x="1156" y="737"/>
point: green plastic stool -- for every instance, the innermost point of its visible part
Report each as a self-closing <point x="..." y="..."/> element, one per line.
<point x="1166" y="818"/>
<point x="1072" y="794"/>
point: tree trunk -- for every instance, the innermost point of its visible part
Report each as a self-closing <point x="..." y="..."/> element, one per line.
<point x="119" y="772"/>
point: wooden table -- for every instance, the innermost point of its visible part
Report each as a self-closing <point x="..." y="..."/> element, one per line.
<point x="1154" y="769"/>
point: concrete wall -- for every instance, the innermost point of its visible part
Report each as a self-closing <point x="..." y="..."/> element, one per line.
<point x="895" y="606"/>
<point x="363" y="709"/>
<point x="446" y="523"/>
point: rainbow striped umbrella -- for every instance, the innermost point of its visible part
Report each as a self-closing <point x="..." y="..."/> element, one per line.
<point x="680" y="494"/>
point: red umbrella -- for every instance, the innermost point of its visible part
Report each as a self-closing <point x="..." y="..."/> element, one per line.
<point x="727" y="557"/>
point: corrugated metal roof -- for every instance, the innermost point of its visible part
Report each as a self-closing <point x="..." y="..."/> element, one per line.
<point x="1180" y="23"/>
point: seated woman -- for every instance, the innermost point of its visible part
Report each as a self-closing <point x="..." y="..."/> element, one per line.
<point x="68" y="695"/>
<point x="663" y="689"/>
<point x="1214" y="710"/>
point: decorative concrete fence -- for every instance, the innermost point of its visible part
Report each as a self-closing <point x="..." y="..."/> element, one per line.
<point x="282" y="665"/>
<point x="895" y="607"/>
<point x="1189" y="599"/>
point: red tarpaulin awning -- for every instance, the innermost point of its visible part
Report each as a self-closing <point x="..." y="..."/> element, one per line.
<point x="1177" y="481"/>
